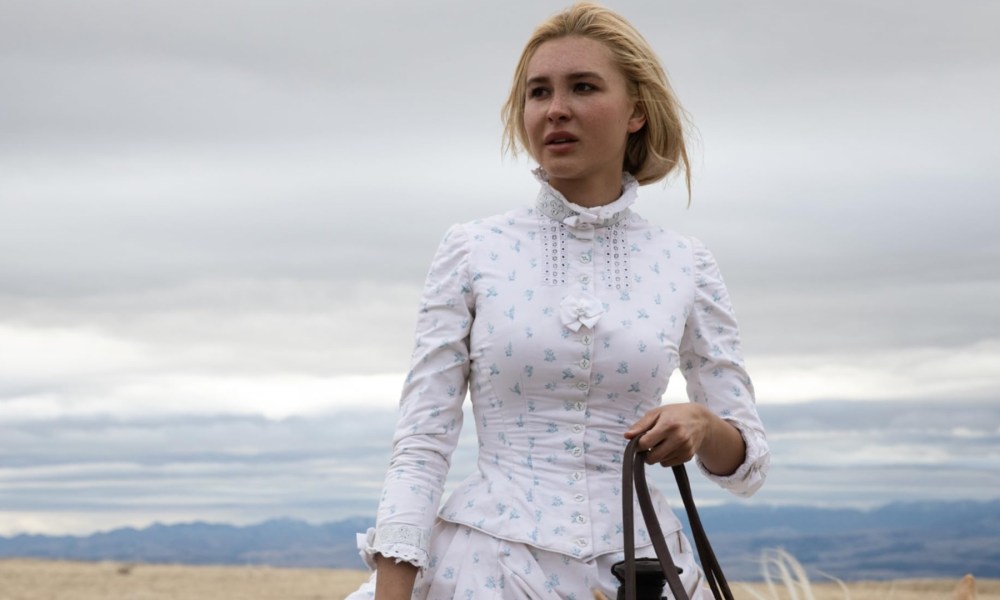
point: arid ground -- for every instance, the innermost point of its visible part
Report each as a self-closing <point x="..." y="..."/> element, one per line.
<point x="24" y="579"/>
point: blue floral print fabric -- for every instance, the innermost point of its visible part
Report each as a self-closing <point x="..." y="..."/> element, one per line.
<point x="564" y="324"/>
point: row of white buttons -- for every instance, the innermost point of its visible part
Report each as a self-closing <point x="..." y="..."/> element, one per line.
<point x="585" y="258"/>
<point x="582" y="385"/>
<point x="584" y="363"/>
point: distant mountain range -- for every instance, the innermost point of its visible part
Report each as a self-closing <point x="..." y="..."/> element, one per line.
<point x="898" y="540"/>
<point x="901" y="540"/>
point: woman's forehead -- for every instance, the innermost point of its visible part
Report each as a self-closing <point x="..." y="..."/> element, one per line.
<point x="571" y="55"/>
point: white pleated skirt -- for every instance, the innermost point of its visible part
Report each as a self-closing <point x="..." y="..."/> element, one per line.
<point x="469" y="564"/>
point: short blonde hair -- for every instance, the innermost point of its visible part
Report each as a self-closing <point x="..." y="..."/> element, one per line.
<point x="658" y="147"/>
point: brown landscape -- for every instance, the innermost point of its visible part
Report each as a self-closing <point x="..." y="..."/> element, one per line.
<point x="29" y="579"/>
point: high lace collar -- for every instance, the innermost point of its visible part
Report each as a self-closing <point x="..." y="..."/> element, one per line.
<point x="554" y="205"/>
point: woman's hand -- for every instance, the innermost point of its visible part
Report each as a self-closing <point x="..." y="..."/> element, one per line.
<point x="674" y="433"/>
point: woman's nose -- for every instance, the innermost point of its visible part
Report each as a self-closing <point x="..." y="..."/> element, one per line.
<point x="558" y="108"/>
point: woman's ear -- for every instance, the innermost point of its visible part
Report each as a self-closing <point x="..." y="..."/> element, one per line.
<point x="637" y="120"/>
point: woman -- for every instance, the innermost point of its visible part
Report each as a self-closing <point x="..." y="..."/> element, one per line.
<point x="564" y="320"/>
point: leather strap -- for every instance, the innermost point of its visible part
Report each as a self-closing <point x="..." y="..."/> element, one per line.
<point x="709" y="563"/>
<point x="634" y="473"/>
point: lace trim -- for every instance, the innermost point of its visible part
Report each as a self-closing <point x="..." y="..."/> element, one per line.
<point x="617" y="274"/>
<point x="553" y="251"/>
<point x="554" y="205"/>
<point x="405" y="543"/>
<point x="403" y="553"/>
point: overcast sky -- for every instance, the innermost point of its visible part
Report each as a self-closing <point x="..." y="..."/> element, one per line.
<point x="216" y="216"/>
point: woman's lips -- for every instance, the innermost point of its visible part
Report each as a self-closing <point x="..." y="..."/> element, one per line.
<point x="560" y="142"/>
<point x="559" y="137"/>
<point x="560" y="148"/>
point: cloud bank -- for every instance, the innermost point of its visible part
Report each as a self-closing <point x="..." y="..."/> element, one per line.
<point x="215" y="219"/>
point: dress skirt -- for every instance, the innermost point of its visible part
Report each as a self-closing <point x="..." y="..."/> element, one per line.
<point x="468" y="564"/>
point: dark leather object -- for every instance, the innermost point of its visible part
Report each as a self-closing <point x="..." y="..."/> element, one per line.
<point x="634" y="474"/>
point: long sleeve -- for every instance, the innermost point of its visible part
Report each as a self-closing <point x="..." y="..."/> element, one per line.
<point x="712" y="364"/>
<point x="430" y="411"/>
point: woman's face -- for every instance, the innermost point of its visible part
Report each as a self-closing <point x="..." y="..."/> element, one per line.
<point x="578" y="114"/>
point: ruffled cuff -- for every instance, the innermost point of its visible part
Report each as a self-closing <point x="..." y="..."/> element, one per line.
<point x="405" y="543"/>
<point x="750" y="475"/>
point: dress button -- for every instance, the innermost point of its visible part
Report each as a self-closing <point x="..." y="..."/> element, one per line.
<point x="577" y="475"/>
<point x="578" y="451"/>
<point x="585" y="258"/>
<point x="582" y="385"/>
<point x="584" y="363"/>
<point x="578" y="405"/>
<point x="580" y="519"/>
<point x="578" y="428"/>
<point x="584" y="278"/>
<point x="579" y="497"/>
<point x="586" y="340"/>
<point x="581" y="542"/>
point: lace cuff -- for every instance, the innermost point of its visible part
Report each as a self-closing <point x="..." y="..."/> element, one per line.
<point x="405" y="543"/>
<point x="750" y="475"/>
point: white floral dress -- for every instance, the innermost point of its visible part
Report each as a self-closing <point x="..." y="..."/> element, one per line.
<point x="564" y="323"/>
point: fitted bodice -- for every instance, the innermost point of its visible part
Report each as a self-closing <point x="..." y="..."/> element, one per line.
<point x="577" y="329"/>
<point x="565" y="323"/>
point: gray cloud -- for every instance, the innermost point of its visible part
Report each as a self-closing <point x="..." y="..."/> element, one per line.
<point x="328" y="467"/>
<point x="213" y="212"/>
<point x="936" y="419"/>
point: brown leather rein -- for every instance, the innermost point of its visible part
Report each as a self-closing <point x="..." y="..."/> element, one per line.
<point x="633" y="469"/>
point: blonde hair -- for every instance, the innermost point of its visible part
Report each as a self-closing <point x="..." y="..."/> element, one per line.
<point x="658" y="147"/>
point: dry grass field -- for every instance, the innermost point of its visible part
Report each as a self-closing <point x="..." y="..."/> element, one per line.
<point x="23" y="579"/>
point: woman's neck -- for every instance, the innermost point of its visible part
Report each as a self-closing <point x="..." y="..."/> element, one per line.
<point x="589" y="192"/>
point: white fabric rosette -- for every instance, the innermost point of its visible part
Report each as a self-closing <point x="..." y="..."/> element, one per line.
<point x="580" y="311"/>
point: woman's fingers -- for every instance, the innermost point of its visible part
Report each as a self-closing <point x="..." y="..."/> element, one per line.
<point x="672" y="434"/>
<point x="669" y="452"/>
<point x="641" y="426"/>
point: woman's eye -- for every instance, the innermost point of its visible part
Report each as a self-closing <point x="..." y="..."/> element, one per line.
<point x="585" y="87"/>
<point x="537" y="92"/>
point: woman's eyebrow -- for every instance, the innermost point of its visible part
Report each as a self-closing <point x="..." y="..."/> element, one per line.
<point x="572" y="76"/>
<point x="585" y="75"/>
